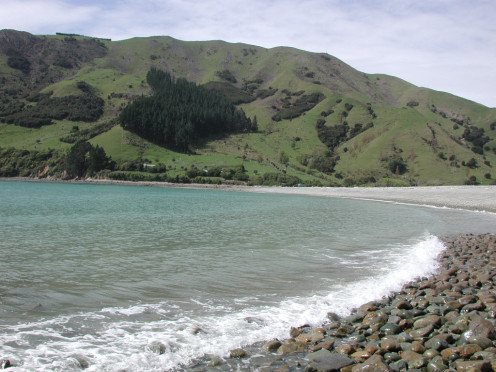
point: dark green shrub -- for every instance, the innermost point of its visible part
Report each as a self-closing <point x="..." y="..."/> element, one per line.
<point x="397" y="165"/>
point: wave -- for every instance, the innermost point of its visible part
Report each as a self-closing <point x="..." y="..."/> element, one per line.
<point x="166" y="335"/>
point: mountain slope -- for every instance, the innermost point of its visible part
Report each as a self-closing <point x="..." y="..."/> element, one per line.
<point x="319" y="119"/>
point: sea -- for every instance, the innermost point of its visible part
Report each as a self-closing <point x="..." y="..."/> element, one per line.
<point x="97" y="276"/>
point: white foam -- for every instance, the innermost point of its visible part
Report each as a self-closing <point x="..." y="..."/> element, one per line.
<point x="116" y="340"/>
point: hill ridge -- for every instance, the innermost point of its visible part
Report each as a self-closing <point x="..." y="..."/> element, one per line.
<point x="434" y="134"/>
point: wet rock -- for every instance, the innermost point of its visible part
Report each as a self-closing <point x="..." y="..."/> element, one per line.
<point x="429" y="320"/>
<point x="418" y="363"/>
<point x="157" y="347"/>
<point x="345" y="349"/>
<point x="214" y="361"/>
<point x="473" y="365"/>
<point x="391" y="357"/>
<point x="375" y="318"/>
<point x="390" y="329"/>
<point x="408" y="355"/>
<point x="483" y="342"/>
<point x="5" y="363"/>
<point x="272" y="346"/>
<point x="333" y="316"/>
<point x="480" y="327"/>
<point x="324" y="360"/>
<point x="430" y="354"/>
<point x="295" y="332"/>
<point x="237" y="353"/>
<point x="361" y="354"/>
<point x="292" y="346"/>
<point x="374" y="363"/>
<point x="466" y="351"/>
<point x="421" y="332"/>
<point x="417" y="347"/>
<point x="436" y="343"/>
<point x="326" y="344"/>
<point x="436" y="365"/>
<point x="450" y="354"/>
<point x="390" y="344"/>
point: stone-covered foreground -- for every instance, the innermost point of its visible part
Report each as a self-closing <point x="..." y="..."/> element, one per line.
<point x="445" y="322"/>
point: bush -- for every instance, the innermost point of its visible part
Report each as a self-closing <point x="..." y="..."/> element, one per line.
<point x="397" y="166"/>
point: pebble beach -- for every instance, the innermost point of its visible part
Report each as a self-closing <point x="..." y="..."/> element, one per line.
<point x="443" y="322"/>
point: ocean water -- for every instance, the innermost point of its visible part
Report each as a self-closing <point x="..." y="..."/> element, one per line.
<point x="99" y="274"/>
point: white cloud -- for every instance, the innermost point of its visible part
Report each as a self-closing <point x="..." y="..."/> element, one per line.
<point x="39" y="16"/>
<point x="440" y="44"/>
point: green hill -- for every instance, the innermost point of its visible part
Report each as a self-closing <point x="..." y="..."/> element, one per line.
<point x="319" y="120"/>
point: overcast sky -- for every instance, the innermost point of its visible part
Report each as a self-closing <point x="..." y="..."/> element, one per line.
<point x="447" y="45"/>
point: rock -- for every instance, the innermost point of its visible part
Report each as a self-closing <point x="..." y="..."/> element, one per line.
<point x="408" y="355"/>
<point x="391" y="357"/>
<point x="450" y="354"/>
<point x="272" y="346"/>
<point x="480" y="327"/>
<point x="398" y="366"/>
<point x="292" y="346"/>
<point x="390" y="329"/>
<point x="374" y="318"/>
<point x="157" y="347"/>
<point x="373" y="364"/>
<point x="436" y="365"/>
<point x="214" y="361"/>
<point x="390" y="344"/>
<point x="324" y="360"/>
<point x="304" y="337"/>
<point x="466" y="351"/>
<point x="5" y="363"/>
<point x="417" y="347"/>
<point x="473" y="365"/>
<point x="295" y="332"/>
<point x="484" y="355"/>
<point x="429" y="320"/>
<point x="82" y="361"/>
<point x="483" y="342"/>
<point x="345" y="349"/>
<point x="436" y="343"/>
<point x="237" y="353"/>
<point x="421" y="332"/>
<point x="361" y="354"/>
<point x="327" y="344"/>
<point x="430" y="354"/>
<point x="333" y="316"/>
<point x="418" y="363"/>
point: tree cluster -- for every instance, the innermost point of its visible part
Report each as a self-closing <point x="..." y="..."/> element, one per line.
<point x="85" y="159"/>
<point x="86" y="106"/>
<point x="179" y="113"/>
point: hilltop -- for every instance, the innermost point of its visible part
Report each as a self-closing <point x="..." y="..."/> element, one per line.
<point x="319" y="121"/>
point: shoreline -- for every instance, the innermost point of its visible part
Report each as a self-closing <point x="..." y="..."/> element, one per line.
<point x="446" y="321"/>
<point x="476" y="198"/>
<point x="429" y="323"/>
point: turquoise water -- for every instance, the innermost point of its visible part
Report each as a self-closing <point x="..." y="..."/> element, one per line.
<point x="99" y="272"/>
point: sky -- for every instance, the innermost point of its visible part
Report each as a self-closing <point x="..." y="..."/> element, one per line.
<point x="446" y="45"/>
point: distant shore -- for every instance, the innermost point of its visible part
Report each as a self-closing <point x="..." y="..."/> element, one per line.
<point x="480" y="198"/>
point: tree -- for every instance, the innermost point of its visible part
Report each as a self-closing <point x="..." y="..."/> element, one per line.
<point x="397" y="166"/>
<point x="83" y="159"/>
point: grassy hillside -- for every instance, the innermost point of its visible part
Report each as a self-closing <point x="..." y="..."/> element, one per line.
<point x="436" y="137"/>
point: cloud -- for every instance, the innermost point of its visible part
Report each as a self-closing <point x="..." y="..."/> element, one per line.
<point x="441" y="44"/>
<point x="38" y="16"/>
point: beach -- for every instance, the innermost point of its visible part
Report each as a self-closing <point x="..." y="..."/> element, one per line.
<point x="480" y="198"/>
<point x="444" y="321"/>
